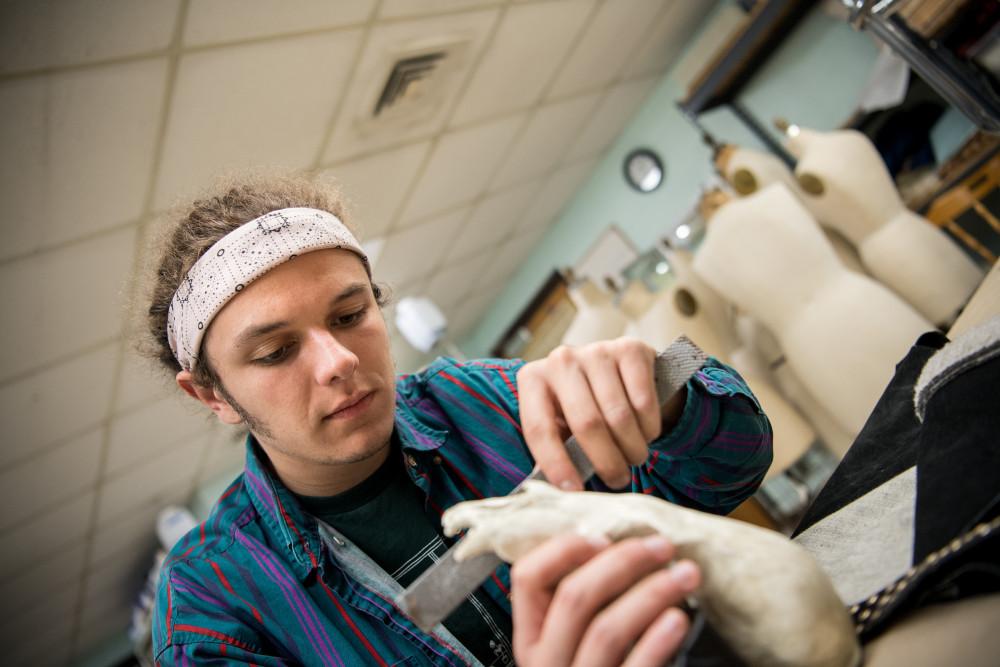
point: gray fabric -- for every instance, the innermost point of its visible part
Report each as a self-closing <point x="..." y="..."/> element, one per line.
<point x="869" y="543"/>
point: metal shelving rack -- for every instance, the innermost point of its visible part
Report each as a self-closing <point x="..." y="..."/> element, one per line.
<point x="961" y="84"/>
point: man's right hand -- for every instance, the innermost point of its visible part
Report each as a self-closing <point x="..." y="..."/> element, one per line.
<point x="588" y="602"/>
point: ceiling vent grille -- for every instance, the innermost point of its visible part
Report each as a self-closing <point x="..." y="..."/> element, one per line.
<point x="412" y="85"/>
<point x="408" y="79"/>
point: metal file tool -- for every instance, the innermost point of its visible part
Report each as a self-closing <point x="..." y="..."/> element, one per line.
<point x="443" y="586"/>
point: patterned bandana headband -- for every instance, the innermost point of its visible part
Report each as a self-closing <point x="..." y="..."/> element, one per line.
<point x="239" y="258"/>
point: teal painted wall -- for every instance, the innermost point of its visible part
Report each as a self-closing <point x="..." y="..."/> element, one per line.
<point x="814" y="79"/>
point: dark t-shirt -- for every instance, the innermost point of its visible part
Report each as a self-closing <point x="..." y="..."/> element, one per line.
<point x="385" y="517"/>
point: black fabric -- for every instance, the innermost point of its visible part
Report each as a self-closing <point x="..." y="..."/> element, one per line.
<point x="887" y="444"/>
<point x="956" y="451"/>
<point x="958" y="465"/>
<point x="384" y="516"/>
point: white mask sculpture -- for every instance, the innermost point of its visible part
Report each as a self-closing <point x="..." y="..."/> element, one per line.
<point x="842" y="333"/>
<point x="846" y="185"/>
<point x="763" y="594"/>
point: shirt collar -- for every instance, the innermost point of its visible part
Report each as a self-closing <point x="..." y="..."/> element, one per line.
<point x="415" y="430"/>
<point x="280" y="512"/>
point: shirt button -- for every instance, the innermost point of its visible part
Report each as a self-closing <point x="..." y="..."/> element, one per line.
<point x="410" y="461"/>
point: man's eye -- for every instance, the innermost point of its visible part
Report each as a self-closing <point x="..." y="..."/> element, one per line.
<point x="351" y="318"/>
<point x="275" y="357"/>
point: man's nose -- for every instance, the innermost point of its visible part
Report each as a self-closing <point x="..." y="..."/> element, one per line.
<point x="332" y="360"/>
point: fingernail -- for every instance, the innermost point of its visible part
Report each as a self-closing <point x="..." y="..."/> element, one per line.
<point x="567" y="485"/>
<point x="599" y="541"/>
<point x="685" y="573"/>
<point x="659" y="545"/>
<point x="671" y="623"/>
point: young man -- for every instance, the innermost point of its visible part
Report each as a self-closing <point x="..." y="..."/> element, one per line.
<point x="265" y="309"/>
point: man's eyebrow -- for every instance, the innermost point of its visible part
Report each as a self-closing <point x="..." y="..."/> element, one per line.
<point x="350" y="291"/>
<point x="251" y="334"/>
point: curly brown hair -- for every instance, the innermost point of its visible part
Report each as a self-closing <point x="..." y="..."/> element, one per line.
<point x="234" y="201"/>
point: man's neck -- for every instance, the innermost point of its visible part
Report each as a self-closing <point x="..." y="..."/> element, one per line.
<point x="309" y="478"/>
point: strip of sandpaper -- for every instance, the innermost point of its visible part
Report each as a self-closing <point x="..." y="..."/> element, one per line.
<point x="442" y="587"/>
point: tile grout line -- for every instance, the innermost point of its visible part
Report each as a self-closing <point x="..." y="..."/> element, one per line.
<point x="532" y="111"/>
<point x="340" y="104"/>
<point x="175" y="53"/>
<point x="435" y="138"/>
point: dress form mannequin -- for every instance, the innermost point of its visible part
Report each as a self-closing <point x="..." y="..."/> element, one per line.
<point x="596" y="319"/>
<point x="749" y="171"/>
<point x="847" y="187"/>
<point x="678" y="310"/>
<point x="842" y="333"/>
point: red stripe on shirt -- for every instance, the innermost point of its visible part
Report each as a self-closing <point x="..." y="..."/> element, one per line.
<point x="502" y="587"/>
<point x="354" y="628"/>
<point x="464" y="479"/>
<point x="225" y="582"/>
<point x="215" y="635"/>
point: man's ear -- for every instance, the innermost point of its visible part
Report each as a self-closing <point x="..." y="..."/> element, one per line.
<point x="210" y="397"/>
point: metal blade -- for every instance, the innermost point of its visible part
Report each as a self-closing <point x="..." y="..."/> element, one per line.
<point x="442" y="587"/>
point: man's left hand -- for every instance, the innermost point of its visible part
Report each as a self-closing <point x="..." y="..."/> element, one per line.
<point x="602" y="393"/>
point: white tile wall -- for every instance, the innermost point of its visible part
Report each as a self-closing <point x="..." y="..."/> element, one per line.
<point x="460" y="167"/>
<point x="377" y="184"/>
<point x="46" y="33"/>
<point x="668" y="37"/>
<point x="493" y="219"/>
<point x="528" y="48"/>
<point x="212" y="21"/>
<point x="416" y="251"/>
<point x="238" y="107"/>
<point x="38" y="539"/>
<point x="41" y="634"/>
<point x="616" y="109"/>
<point x="63" y="301"/>
<point x="44" y="481"/>
<point x="161" y="479"/>
<point x="133" y="532"/>
<point x="508" y="257"/>
<point x="137" y="436"/>
<point x="44" y="578"/>
<point x="78" y="150"/>
<point x="448" y="286"/>
<point x="601" y="51"/>
<point x="54" y="404"/>
<point x="548" y="135"/>
<point x="141" y="381"/>
<point x="355" y="133"/>
<point x="557" y="191"/>
<point x="398" y="8"/>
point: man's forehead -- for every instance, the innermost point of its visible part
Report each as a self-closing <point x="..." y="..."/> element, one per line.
<point x="275" y="297"/>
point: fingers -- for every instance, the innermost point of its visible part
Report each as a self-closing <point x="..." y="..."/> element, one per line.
<point x="636" y="369"/>
<point x="534" y="579"/>
<point x="576" y="393"/>
<point x="661" y="641"/>
<point x="616" y="410"/>
<point x="644" y="617"/>
<point x="540" y="425"/>
<point x="587" y="590"/>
